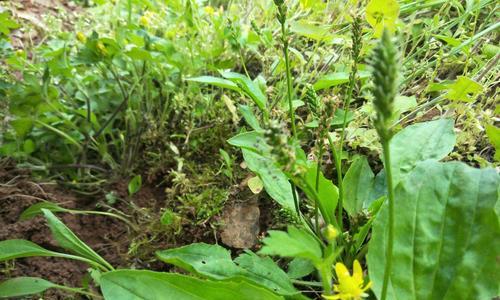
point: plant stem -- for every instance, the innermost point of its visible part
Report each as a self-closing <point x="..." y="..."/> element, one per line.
<point x="290" y="104"/>
<point x="390" y="193"/>
<point x="326" y="279"/>
<point x="288" y="79"/>
<point x="338" y="155"/>
<point x="108" y="214"/>
<point x="318" y="170"/>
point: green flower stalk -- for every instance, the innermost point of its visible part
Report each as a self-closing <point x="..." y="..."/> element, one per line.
<point x="281" y="16"/>
<point x="385" y="78"/>
<point x="355" y="55"/>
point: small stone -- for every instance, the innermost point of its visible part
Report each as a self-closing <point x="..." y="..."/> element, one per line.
<point x="241" y="224"/>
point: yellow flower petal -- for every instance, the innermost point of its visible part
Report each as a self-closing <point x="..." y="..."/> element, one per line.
<point x="357" y="272"/>
<point x="341" y="270"/>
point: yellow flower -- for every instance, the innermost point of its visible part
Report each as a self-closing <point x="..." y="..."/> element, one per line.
<point x="144" y="21"/>
<point x="209" y="10"/>
<point x="81" y="37"/>
<point x="349" y="287"/>
<point x="330" y="233"/>
<point x="100" y="46"/>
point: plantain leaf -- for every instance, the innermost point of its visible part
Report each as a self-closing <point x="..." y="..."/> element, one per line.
<point x="357" y="182"/>
<point x="274" y="180"/>
<point x="335" y="79"/>
<point x="250" y="88"/>
<point x="24" y="286"/>
<point x="255" y="152"/>
<point x="11" y="249"/>
<point x="69" y="241"/>
<point x="36" y="209"/>
<point x="419" y="142"/>
<point x="220" y="82"/>
<point x="446" y="235"/>
<point x="249" y="117"/>
<point x="251" y="140"/>
<point x="327" y="193"/>
<point x="148" y="285"/>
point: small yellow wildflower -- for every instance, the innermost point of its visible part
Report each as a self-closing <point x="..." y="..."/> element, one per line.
<point x="100" y="46"/>
<point x="330" y="233"/>
<point x="349" y="287"/>
<point x="144" y="21"/>
<point x="209" y="10"/>
<point x="81" y="37"/>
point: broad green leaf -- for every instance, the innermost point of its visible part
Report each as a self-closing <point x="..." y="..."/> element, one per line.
<point x="446" y="235"/>
<point x="36" y="209"/>
<point x="249" y="117"/>
<point x="275" y="181"/>
<point x="251" y="140"/>
<point x="403" y="104"/>
<point x="134" y="185"/>
<point x="298" y="242"/>
<point x="327" y="193"/>
<point x="255" y="184"/>
<point x="11" y="249"/>
<point x="312" y="31"/>
<point x="22" y="126"/>
<point x="337" y="78"/>
<point x="419" y="142"/>
<point x="493" y="134"/>
<point x="214" y="262"/>
<point x="382" y="14"/>
<point x="464" y="89"/>
<point x="69" y="241"/>
<point x="148" y="285"/>
<point x="29" y="146"/>
<point x="250" y="88"/>
<point x="24" y="286"/>
<point x="6" y="23"/>
<point x="264" y="271"/>
<point x="357" y="185"/>
<point x="137" y="53"/>
<point x="211" y="261"/>
<point x="220" y="82"/>
<point x="299" y="268"/>
<point x="338" y="117"/>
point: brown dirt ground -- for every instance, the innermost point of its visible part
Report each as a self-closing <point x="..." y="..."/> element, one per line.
<point x="109" y="237"/>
